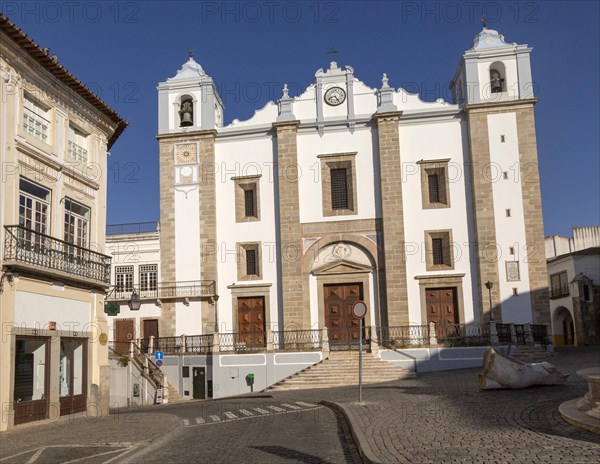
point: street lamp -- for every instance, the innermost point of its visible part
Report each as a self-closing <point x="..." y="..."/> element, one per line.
<point x="134" y="302"/>
<point x="489" y="286"/>
<point x="216" y="299"/>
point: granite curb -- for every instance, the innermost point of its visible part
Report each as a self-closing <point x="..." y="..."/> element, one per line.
<point x="365" y="451"/>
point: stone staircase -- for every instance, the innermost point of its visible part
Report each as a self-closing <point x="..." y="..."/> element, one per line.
<point x="340" y="369"/>
<point x="173" y="394"/>
<point x="529" y="354"/>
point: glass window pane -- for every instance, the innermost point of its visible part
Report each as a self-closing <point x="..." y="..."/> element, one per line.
<point x="30" y="370"/>
<point x="78" y="368"/>
<point x="65" y="368"/>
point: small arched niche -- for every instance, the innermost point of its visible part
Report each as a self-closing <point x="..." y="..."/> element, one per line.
<point x="497" y="77"/>
<point x="186" y="111"/>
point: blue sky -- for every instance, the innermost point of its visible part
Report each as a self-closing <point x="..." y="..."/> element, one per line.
<point x="123" y="49"/>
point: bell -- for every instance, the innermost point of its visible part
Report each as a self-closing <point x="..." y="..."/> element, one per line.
<point x="496" y="81"/>
<point x="186" y="114"/>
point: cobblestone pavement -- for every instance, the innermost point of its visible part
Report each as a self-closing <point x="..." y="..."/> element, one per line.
<point x="443" y="417"/>
<point x="439" y="417"/>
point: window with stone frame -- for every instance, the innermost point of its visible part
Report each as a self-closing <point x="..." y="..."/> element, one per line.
<point x="247" y="198"/>
<point x="36" y="119"/>
<point x="249" y="266"/>
<point x="439" y="254"/>
<point x="338" y="184"/>
<point x="435" y="192"/>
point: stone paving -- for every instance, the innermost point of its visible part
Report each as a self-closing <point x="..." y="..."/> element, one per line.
<point x="443" y="417"/>
<point x="439" y="417"/>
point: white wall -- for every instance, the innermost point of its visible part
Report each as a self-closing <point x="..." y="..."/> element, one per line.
<point x="36" y="310"/>
<point x="510" y="231"/>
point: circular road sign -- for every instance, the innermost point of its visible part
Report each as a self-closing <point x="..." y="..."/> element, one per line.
<point x="359" y="309"/>
<point x="158" y="363"/>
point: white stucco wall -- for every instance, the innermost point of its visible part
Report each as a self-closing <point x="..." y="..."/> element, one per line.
<point x="510" y="231"/>
<point x="36" y="310"/>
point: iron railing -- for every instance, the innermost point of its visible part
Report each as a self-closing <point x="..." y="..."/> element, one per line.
<point x="168" y="345"/>
<point x="298" y="340"/>
<point x="133" y="228"/>
<point x="503" y="331"/>
<point x="463" y="334"/>
<point x="346" y="338"/>
<point x="403" y="336"/>
<point x="559" y="292"/>
<point x="243" y="342"/>
<point x="539" y="332"/>
<point x="520" y="333"/>
<point x="165" y="290"/>
<point x="26" y="246"/>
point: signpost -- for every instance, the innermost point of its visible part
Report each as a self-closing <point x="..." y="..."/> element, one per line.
<point x="159" y="355"/>
<point x="359" y="310"/>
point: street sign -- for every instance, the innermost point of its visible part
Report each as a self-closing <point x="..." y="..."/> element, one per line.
<point x="359" y="309"/>
<point x="158" y="363"/>
<point x="159" y="395"/>
<point x="159" y="355"/>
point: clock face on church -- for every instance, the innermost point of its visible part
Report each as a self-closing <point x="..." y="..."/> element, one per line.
<point x="185" y="153"/>
<point x="335" y="96"/>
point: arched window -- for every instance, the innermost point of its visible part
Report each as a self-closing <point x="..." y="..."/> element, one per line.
<point x="497" y="77"/>
<point x="186" y="112"/>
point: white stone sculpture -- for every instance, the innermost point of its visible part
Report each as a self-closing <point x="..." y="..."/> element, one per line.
<point x="500" y="371"/>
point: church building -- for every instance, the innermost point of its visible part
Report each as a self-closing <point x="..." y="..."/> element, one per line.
<point x="348" y="192"/>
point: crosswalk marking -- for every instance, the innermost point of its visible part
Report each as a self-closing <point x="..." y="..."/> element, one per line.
<point x="308" y="405"/>
<point x="275" y="408"/>
<point x="291" y="406"/>
<point x="240" y="414"/>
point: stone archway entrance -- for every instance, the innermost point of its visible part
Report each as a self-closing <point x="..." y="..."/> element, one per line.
<point x="564" y="329"/>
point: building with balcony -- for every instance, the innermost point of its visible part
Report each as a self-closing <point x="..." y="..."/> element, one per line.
<point x="54" y="137"/>
<point x="574" y="283"/>
<point x="346" y="192"/>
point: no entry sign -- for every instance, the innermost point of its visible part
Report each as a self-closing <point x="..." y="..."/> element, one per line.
<point x="359" y="309"/>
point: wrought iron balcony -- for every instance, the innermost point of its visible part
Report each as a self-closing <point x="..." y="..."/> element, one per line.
<point x="559" y="292"/>
<point x="36" y="251"/>
<point x="165" y="290"/>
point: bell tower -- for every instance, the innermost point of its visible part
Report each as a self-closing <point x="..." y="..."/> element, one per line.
<point x="494" y="87"/>
<point x="189" y="101"/>
<point x="190" y="112"/>
<point x="493" y="71"/>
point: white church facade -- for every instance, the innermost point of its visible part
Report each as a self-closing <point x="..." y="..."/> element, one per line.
<point x="345" y="192"/>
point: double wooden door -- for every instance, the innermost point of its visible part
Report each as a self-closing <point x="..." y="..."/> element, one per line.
<point x="251" y="321"/>
<point x="441" y="305"/>
<point x="343" y="327"/>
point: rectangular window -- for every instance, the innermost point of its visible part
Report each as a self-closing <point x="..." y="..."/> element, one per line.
<point x="35" y="119"/>
<point x="77" y="218"/>
<point x="34" y="213"/>
<point x="508" y="213"/>
<point x="31" y="369"/>
<point x="124" y="278"/>
<point x="586" y="292"/>
<point x="437" y="248"/>
<point x="247" y="198"/>
<point x="77" y="145"/>
<point x="339" y="189"/>
<point x="248" y="261"/>
<point x="251" y="262"/>
<point x="435" y="189"/>
<point x="559" y="285"/>
<point x="439" y="254"/>
<point x="434" y="192"/>
<point x="249" y="203"/>
<point x="148" y="277"/>
<point x="338" y="184"/>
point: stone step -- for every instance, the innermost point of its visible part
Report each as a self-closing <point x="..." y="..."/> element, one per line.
<point x="341" y="369"/>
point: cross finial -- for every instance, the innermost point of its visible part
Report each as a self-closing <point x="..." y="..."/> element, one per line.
<point x="332" y="51"/>
<point x="483" y="21"/>
<point x="191" y="52"/>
